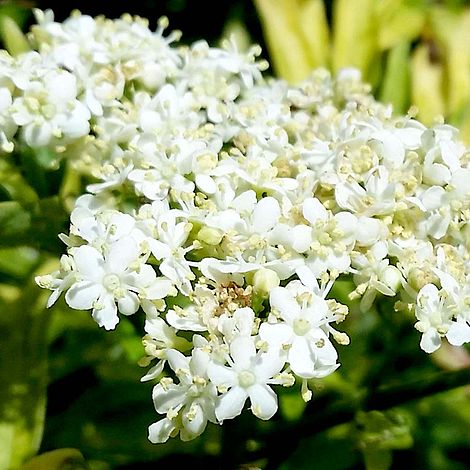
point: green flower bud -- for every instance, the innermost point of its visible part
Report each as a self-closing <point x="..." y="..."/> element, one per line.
<point x="264" y="280"/>
<point x="210" y="236"/>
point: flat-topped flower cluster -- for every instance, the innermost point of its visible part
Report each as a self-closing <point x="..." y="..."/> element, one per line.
<point x="224" y="205"/>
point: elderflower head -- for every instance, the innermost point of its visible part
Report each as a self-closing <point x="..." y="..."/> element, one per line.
<point x="241" y="198"/>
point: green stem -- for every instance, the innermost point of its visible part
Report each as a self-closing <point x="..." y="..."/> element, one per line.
<point x="23" y="372"/>
<point x="381" y="398"/>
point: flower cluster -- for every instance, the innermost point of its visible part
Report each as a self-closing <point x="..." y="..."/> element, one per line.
<point x="225" y="205"/>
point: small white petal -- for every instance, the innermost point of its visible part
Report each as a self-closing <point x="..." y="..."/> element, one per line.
<point x="176" y="360"/>
<point x="221" y="375"/>
<point x="121" y="254"/>
<point x="159" y="289"/>
<point x="263" y="401"/>
<point x="159" y="250"/>
<point x="314" y="210"/>
<point x="206" y="184"/>
<point x="459" y="333"/>
<point x="282" y="300"/>
<point x="82" y="295"/>
<point x="192" y="321"/>
<point x="265" y="215"/>
<point x="276" y="335"/>
<point x="160" y="431"/>
<point x="231" y="403"/>
<point x="242" y="350"/>
<point x="167" y="398"/>
<point x="106" y="315"/>
<point x="270" y="364"/>
<point x="89" y="261"/>
<point x="129" y="304"/>
<point x="300" y="358"/>
<point x="430" y="341"/>
<point x="301" y="238"/>
<point x="195" y="425"/>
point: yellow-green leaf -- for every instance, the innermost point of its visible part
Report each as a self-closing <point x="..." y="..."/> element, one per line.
<point x="60" y="459"/>
<point x="355" y="34"/>
<point x="396" y="80"/>
<point x="427" y="85"/>
<point x="14" y="40"/>
<point x="279" y="20"/>
<point x="452" y="31"/>
<point x="315" y="32"/>
<point x="399" y="22"/>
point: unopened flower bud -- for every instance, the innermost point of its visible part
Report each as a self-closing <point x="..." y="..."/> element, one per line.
<point x="392" y="277"/>
<point x="264" y="280"/>
<point x="210" y="236"/>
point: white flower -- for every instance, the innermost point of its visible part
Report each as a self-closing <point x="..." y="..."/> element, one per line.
<point x="168" y="249"/>
<point x="7" y="125"/>
<point x="217" y="187"/>
<point x="48" y="110"/>
<point x="167" y="169"/>
<point x="459" y="295"/>
<point x="299" y="335"/>
<point x="240" y="324"/>
<point x="159" y="339"/>
<point x="434" y="313"/>
<point x="101" y="228"/>
<point x="169" y="112"/>
<point x="188" y="404"/>
<point x="328" y="239"/>
<point x="116" y="277"/>
<point x="376" y="198"/>
<point x="58" y="281"/>
<point x="248" y="375"/>
<point x="375" y="274"/>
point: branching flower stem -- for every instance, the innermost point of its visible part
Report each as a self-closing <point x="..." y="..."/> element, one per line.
<point x="343" y="411"/>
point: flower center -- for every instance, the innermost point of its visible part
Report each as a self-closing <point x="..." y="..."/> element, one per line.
<point x="111" y="282"/>
<point x="301" y="326"/>
<point x="246" y="379"/>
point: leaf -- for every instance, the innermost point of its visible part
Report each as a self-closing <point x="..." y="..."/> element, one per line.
<point x="333" y="449"/>
<point x="18" y="261"/>
<point x="60" y="459"/>
<point x="384" y="430"/>
<point x="23" y="373"/>
<point x="14" y="222"/>
<point x="15" y="185"/>
<point x="427" y="85"/>
<point x="14" y="40"/>
<point x="396" y="80"/>
<point x="377" y="459"/>
<point x="315" y="32"/>
<point x="295" y="33"/>
<point x="355" y="35"/>
<point x="291" y="405"/>
<point x="399" y="22"/>
<point x="452" y="31"/>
